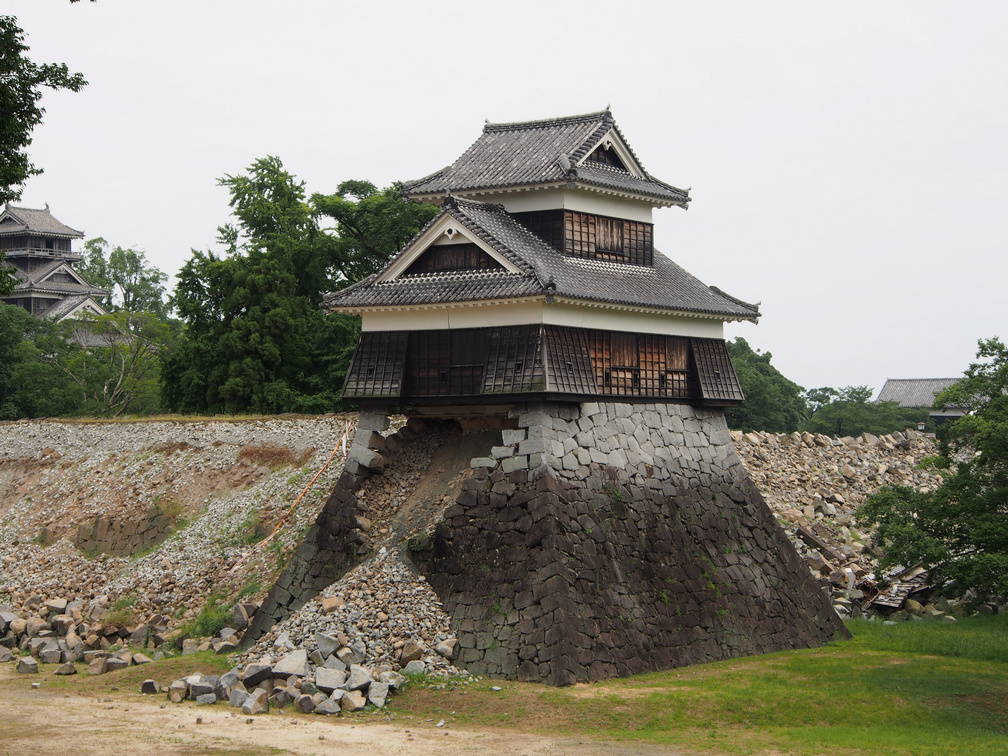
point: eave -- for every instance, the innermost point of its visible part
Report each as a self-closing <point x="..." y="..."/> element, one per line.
<point x="436" y="197"/>
<point x="546" y="299"/>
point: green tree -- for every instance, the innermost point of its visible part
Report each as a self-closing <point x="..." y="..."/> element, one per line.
<point x="133" y="283"/>
<point x="255" y="339"/>
<point x="21" y="83"/>
<point x="372" y="225"/>
<point x="772" y="402"/>
<point x="15" y="323"/>
<point x="850" y="412"/>
<point x="959" y="532"/>
<point x="111" y="360"/>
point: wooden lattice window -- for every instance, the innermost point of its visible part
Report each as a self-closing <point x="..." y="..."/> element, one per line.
<point x="377" y="367"/>
<point x="548" y="225"/>
<point x="603" y="238"/>
<point x="605" y="156"/>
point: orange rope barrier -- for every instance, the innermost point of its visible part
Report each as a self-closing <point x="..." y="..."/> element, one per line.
<point x="341" y="444"/>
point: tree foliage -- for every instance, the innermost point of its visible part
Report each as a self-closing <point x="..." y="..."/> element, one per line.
<point x="772" y="402"/>
<point x="97" y="366"/>
<point x="21" y="83"/>
<point x="372" y="225"/>
<point x="111" y="360"/>
<point x="134" y="284"/>
<point x="959" y="532"/>
<point x="255" y="339"/>
<point x="850" y="412"/>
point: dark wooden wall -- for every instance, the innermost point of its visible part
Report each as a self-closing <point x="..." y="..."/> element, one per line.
<point x="470" y="363"/>
<point x="592" y="236"/>
<point x="444" y="258"/>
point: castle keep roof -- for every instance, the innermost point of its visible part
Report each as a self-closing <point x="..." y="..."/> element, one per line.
<point x="21" y="220"/>
<point x="547" y="153"/>
<point x="540" y="271"/>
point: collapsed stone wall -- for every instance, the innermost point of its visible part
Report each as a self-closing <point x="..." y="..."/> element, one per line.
<point x="118" y="537"/>
<point x="340" y="537"/>
<point x="609" y="539"/>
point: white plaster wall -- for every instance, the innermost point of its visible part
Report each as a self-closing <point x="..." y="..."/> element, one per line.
<point x="521" y="313"/>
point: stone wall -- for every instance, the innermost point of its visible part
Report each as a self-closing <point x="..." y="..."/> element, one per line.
<point x="610" y="539"/>
<point x="119" y="537"/>
<point x="593" y="541"/>
<point x="337" y="541"/>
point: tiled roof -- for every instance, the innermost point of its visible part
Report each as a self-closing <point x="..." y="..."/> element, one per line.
<point x="543" y="271"/>
<point x="542" y="153"/>
<point x="26" y="219"/>
<point x="914" y="392"/>
<point x="65" y="306"/>
<point x="35" y="281"/>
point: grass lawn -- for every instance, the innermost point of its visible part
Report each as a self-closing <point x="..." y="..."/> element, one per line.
<point x="912" y="688"/>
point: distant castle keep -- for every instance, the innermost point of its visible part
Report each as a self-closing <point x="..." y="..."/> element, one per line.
<point x="39" y="248"/>
<point x="611" y="529"/>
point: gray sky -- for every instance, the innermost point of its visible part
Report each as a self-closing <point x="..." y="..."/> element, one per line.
<point x="848" y="162"/>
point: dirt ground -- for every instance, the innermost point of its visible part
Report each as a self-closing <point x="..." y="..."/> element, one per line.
<point x="60" y="718"/>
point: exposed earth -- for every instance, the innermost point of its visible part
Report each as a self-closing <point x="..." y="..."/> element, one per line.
<point x="147" y="523"/>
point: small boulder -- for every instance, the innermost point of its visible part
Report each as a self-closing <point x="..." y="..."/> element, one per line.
<point x="98" y="666"/>
<point x="447" y="648"/>
<point x="305" y="703"/>
<point x="206" y="699"/>
<point x="330" y="604"/>
<point x="27" y="665"/>
<point x="328" y="680"/>
<point x="257" y="672"/>
<point x="327" y="644"/>
<point x="150" y="687"/>
<point x="353" y="700"/>
<point x="360" y="678"/>
<point x="377" y="693"/>
<point x="329" y="706"/>
<point x="415" y="667"/>
<point x="256" y="703"/>
<point x="66" y="669"/>
<point x="294" y="663"/>
<point x="411" y="651"/>
<point x="393" y="679"/>
<point x="238" y="696"/>
<point x="178" y="691"/>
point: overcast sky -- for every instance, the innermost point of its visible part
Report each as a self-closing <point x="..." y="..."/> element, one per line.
<point x="848" y="162"/>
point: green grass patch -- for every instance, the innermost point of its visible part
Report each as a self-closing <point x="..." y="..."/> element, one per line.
<point x="213" y="617"/>
<point x="915" y="688"/>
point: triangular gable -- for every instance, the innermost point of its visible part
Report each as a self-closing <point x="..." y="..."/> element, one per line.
<point x="87" y="306"/>
<point x="63" y="268"/>
<point x="611" y="149"/>
<point x="74" y="307"/>
<point x="443" y="230"/>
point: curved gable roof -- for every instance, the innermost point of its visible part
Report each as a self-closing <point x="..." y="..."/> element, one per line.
<point x="545" y="153"/>
<point x="20" y="220"/>
<point x="543" y="272"/>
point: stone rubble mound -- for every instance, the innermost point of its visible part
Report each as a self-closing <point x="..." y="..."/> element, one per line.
<point x="814" y="485"/>
<point x="83" y="507"/>
<point x="380" y="613"/>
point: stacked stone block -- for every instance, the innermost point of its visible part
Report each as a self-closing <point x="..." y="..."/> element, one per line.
<point x="117" y="537"/>
<point x="611" y="539"/>
<point x="338" y="540"/>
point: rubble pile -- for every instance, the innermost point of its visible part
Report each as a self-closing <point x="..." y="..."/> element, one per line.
<point x="814" y="485"/>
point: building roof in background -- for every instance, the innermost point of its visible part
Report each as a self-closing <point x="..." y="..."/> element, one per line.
<point x="20" y="220"/>
<point x="540" y="271"/>
<point x="914" y="392"/>
<point x="547" y="153"/>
